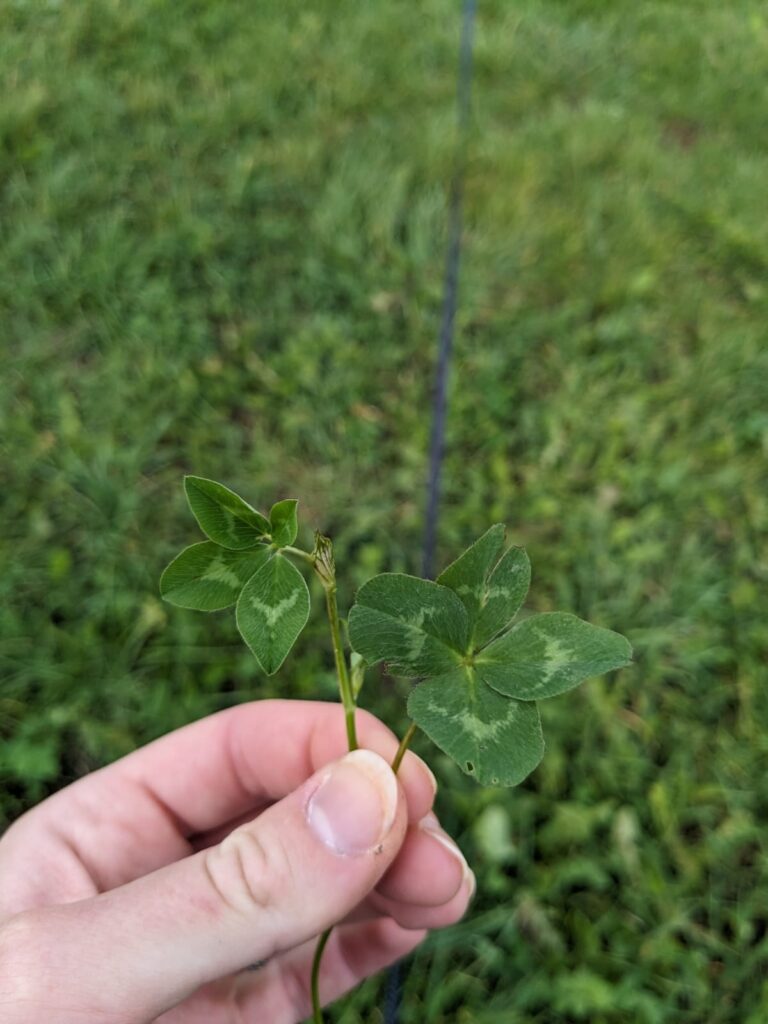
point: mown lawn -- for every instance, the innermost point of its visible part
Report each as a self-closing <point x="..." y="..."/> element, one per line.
<point x="222" y="230"/>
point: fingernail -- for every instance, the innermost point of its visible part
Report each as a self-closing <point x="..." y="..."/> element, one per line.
<point x="431" y="826"/>
<point x="353" y="808"/>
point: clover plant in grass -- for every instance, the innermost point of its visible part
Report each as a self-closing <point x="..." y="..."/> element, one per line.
<point x="479" y="673"/>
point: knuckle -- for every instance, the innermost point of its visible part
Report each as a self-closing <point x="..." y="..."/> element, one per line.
<point x="247" y="874"/>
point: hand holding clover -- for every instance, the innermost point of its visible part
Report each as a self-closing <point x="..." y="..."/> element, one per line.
<point x="479" y="674"/>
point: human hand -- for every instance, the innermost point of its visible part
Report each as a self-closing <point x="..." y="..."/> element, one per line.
<point x="145" y="891"/>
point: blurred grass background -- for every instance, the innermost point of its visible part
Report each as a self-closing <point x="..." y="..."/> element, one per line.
<point x="222" y="230"/>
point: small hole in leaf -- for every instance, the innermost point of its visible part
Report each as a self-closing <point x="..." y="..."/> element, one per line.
<point x="470" y="766"/>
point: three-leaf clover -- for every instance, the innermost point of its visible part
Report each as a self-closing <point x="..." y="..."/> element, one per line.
<point x="242" y="564"/>
<point x="482" y="675"/>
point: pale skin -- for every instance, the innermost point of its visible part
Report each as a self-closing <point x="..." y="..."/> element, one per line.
<point x="149" y="889"/>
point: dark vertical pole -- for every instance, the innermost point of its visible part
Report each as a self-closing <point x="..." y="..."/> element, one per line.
<point x="394" y="986"/>
<point x="450" y="294"/>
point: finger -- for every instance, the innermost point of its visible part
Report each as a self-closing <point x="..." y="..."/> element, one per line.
<point x="281" y="993"/>
<point x="410" y="915"/>
<point x="429" y="869"/>
<point x="93" y="834"/>
<point x="271" y="885"/>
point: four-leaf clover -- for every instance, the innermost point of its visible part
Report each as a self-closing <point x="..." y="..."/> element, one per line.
<point x="481" y="675"/>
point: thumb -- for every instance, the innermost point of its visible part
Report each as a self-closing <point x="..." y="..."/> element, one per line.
<point x="270" y="885"/>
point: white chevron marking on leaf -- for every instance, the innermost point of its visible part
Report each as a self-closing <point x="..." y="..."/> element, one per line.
<point x="221" y="573"/>
<point x="273" y="613"/>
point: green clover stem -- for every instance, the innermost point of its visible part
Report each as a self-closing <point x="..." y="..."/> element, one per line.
<point x="404" y="744"/>
<point x="345" y="686"/>
<point x="306" y="556"/>
<point x="321" y="560"/>
<point x="317" y="1013"/>
<point x="325" y="569"/>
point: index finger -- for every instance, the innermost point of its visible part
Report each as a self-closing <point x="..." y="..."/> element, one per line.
<point x="255" y="754"/>
<point x="139" y="813"/>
